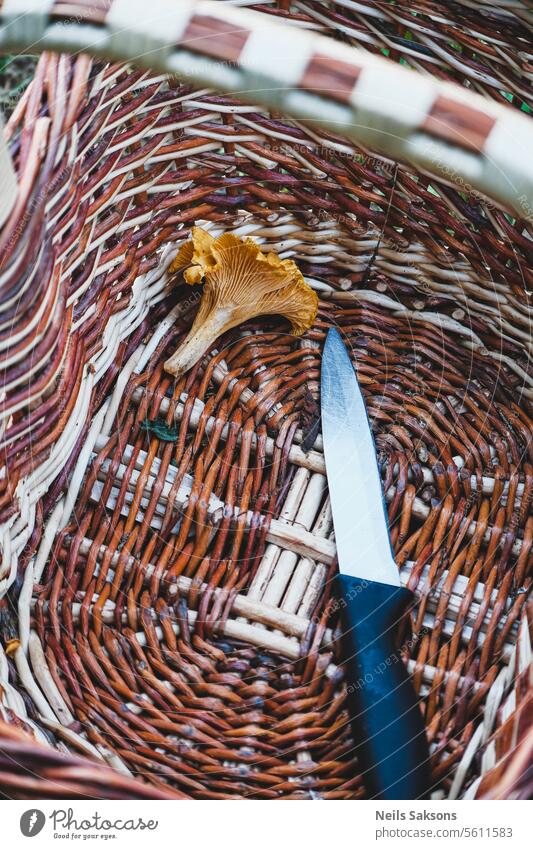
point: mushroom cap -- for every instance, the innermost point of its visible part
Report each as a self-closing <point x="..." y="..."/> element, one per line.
<point x="240" y="282"/>
<point x="237" y="273"/>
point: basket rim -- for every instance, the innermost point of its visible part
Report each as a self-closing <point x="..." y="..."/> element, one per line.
<point x="442" y="129"/>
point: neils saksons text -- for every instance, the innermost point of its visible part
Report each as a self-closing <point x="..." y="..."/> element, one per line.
<point x="416" y="815"/>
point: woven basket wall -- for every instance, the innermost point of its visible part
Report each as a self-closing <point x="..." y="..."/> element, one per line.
<point x="167" y="546"/>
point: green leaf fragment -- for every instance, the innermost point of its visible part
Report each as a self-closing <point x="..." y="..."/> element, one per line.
<point x="160" y="429"/>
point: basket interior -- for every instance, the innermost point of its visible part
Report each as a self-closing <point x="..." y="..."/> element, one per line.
<point x="171" y="541"/>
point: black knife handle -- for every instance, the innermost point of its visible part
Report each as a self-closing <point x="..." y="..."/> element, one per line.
<point x="387" y="726"/>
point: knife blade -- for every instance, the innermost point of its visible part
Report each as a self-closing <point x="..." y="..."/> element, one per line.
<point x="386" y="722"/>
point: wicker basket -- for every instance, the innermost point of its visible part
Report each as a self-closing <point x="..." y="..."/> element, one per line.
<point x="167" y="546"/>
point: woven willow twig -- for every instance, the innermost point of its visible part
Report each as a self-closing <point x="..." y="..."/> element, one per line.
<point x="296" y="626"/>
<point x="312" y="460"/>
<point x="167" y="548"/>
<point x="295" y="538"/>
<point x="287" y="540"/>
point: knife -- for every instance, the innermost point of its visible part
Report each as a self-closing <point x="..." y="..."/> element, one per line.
<point x="386" y="722"/>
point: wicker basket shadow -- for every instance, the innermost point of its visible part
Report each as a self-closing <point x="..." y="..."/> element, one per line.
<point x="167" y="545"/>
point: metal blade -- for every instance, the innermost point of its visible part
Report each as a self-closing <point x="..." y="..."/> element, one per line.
<point x="359" y="517"/>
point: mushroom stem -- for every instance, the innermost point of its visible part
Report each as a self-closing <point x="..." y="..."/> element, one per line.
<point x="203" y="334"/>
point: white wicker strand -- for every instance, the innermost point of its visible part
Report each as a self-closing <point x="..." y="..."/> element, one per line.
<point x="46" y="682"/>
<point x="287" y="562"/>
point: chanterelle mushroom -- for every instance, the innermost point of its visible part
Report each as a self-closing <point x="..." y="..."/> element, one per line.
<point x="240" y="282"/>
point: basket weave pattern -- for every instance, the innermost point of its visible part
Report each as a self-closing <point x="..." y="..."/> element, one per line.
<point x="167" y="546"/>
